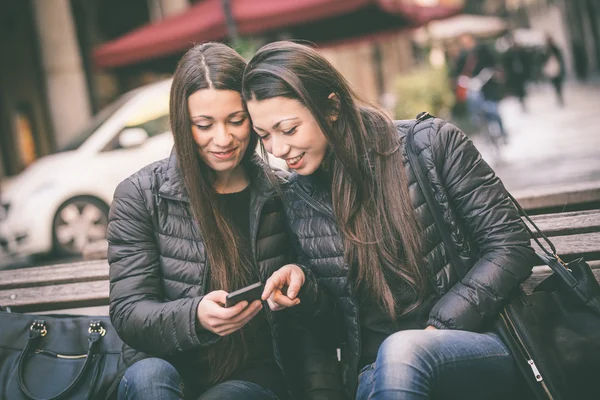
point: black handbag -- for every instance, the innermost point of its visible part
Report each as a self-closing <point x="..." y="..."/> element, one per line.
<point x="554" y="332"/>
<point x="54" y="357"/>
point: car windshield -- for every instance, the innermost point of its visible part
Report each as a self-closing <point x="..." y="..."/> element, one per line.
<point x="95" y="123"/>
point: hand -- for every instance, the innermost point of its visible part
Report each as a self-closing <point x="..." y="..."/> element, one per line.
<point x="283" y="286"/>
<point x="214" y="317"/>
<point x="430" y="328"/>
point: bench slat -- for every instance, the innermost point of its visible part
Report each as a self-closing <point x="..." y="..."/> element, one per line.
<point x="558" y="195"/>
<point x="568" y="223"/>
<point x="54" y="274"/>
<point x="69" y="295"/>
<point x="575" y="245"/>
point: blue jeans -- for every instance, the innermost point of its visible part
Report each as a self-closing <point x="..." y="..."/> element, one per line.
<point x="439" y="364"/>
<point x="478" y="106"/>
<point x="156" y="379"/>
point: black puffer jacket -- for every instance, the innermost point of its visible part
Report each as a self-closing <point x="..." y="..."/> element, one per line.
<point x="158" y="271"/>
<point x="486" y="229"/>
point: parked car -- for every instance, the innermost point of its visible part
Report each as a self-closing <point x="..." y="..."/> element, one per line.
<point x="60" y="203"/>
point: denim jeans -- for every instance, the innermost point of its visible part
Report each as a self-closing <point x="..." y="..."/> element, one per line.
<point x="156" y="379"/>
<point x="440" y="364"/>
<point x="478" y="106"/>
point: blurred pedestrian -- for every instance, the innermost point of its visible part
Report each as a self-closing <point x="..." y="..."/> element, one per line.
<point x="516" y="69"/>
<point x="554" y="68"/>
<point x="477" y="72"/>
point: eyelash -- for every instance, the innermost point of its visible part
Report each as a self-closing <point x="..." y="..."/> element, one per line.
<point x="235" y="123"/>
<point x="289" y="132"/>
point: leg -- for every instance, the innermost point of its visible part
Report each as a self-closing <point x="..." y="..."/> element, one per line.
<point x="558" y="84"/>
<point x="366" y="381"/>
<point x="443" y="364"/>
<point x="237" y="390"/>
<point x="474" y="103"/>
<point x="151" y="378"/>
<point x="492" y="113"/>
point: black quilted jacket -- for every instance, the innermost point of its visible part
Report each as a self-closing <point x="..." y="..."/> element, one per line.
<point x="158" y="270"/>
<point x="486" y="230"/>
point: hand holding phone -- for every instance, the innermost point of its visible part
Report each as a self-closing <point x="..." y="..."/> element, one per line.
<point x="249" y="293"/>
<point x="213" y="316"/>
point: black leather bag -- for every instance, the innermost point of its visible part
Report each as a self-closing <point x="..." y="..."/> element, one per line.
<point x="554" y="332"/>
<point x="54" y="357"/>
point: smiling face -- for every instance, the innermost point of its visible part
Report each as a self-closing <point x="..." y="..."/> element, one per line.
<point x="220" y="126"/>
<point x="289" y="131"/>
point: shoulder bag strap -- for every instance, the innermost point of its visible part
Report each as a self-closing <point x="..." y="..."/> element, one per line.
<point x="434" y="207"/>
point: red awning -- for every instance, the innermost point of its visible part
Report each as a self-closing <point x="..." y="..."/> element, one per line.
<point x="202" y="22"/>
<point x="255" y="16"/>
<point x="205" y="21"/>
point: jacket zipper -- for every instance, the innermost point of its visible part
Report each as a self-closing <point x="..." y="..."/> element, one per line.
<point x="268" y="314"/>
<point x="324" y="211"/>
<point x="536" y="373"/>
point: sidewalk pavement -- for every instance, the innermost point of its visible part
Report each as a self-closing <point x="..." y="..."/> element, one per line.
<point x="549" y="145"/>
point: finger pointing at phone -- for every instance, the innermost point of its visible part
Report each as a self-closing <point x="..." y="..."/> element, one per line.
<point x="214" y="317"/>
<point x="283" y="286"/>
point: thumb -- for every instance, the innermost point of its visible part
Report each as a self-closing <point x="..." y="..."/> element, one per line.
<point x="218" y="296"/>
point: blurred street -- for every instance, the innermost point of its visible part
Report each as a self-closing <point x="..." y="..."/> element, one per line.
<point x="85" y="107"/>
<point x="550" y="145"/>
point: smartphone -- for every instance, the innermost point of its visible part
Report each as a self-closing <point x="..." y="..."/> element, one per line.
<point x="249" y="293"/>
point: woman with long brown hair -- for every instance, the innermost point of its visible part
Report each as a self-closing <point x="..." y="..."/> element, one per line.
<point x="415" y="325"/>
<point x="187" y="230"/>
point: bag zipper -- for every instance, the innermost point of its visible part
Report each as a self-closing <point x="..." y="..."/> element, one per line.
<point x="536" y="373"/>
<point x="58" y="355"/>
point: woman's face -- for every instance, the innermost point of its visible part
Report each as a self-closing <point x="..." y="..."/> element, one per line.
<point x="289" y="131"/>
<point x="220" y="126"/>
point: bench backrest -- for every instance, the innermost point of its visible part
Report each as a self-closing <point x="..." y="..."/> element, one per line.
<point x="85" y="284"/>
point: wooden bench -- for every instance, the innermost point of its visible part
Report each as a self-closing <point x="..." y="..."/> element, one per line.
<point x="69" y="287"/>
<point x="560" y="198"/>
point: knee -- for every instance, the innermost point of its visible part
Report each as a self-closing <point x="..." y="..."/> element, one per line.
<point x="148" y="372"/>
<point x="411" y="347"/>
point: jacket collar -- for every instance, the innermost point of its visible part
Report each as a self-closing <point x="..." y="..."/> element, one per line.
<point x="173" y="187"/>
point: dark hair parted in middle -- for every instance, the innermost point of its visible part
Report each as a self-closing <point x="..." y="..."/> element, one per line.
<point x="212" y="66"/>
<point x="364" y="164"/>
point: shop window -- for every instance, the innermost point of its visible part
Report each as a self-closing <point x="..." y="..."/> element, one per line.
<point x="25" y="136"/>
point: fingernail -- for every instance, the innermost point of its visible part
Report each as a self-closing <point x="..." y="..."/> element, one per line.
<point x="291" y="294"/>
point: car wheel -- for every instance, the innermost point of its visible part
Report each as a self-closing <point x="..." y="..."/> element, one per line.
<point x="78" y="222"/>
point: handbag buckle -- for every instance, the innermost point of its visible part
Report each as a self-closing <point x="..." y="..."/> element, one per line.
<point x="39" y="326"/>
<point x="96" y="327"/>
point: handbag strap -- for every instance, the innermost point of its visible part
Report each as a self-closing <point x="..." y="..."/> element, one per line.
<point x="37" y="330"/>
<point x="434" y="207"/>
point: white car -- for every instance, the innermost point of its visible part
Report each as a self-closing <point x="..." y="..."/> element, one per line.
<point x="60" y="203"/>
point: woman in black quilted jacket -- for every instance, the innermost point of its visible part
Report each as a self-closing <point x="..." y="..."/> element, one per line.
<point x="187" y="230"/>
<point x="411" y="324"/>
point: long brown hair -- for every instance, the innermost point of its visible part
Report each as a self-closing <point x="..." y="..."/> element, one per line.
<point x="369" y="186"/>
<point x="216" y="66"/>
